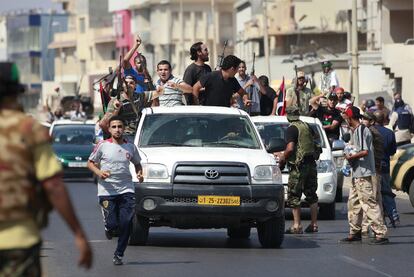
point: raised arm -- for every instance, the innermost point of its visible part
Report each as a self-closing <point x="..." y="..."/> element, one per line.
<point x="128" y="56"/>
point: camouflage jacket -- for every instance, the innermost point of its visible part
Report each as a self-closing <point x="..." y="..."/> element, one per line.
<point x="19" y="136"/>
<point x="304" y="96"/>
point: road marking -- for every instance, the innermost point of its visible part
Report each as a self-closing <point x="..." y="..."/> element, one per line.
<point x="363" y="265"/>
<point x="93" y="241"/>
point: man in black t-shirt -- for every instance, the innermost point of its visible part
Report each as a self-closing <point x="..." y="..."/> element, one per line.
<point x="220" y="85"/>
<point x="199" y="68"/>
<point x="266" y="101"/>
<point x="329" y="116"/>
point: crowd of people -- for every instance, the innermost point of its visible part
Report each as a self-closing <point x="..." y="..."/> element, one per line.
<point x="371" y="144"/>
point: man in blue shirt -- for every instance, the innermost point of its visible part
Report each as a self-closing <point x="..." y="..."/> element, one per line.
<point x="390" y="147"/>
<point x="140" y="66"/>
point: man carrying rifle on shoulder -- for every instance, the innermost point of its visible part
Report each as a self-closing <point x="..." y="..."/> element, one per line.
<point x="299" y="95"/>
<point x="253" y="88"/>
<point x="128" y="105"/>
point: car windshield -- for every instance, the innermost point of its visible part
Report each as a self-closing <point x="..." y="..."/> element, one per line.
<point x="75" y="134"/>
<point x="271" y="130"/>
<point x="198" y="130"/>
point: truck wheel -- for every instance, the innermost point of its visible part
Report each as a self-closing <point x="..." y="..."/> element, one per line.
<point x="327" y="211"/>
<point x="238" y="233"/>
<point x="271" y="232"/>
<point x="139" y="231"/>
<point x="411" y="193"/>
<point x="339" y="185"/>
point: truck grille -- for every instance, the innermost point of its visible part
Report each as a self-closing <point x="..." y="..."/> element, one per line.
<point x="211" y="174"/>
<point x="194" y="200"/>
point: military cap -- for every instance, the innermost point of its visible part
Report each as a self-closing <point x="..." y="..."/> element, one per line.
<point x="292" y="113"/>
<point x="326" y="64"/>
<point x="9" y="79"/>
<point x="369" y="116"/>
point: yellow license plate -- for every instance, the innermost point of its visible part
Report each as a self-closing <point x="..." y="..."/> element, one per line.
<point x="219" y="200"/>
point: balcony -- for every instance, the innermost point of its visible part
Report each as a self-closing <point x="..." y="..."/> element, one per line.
<point x="103" y="35"/>
<point x="63" y="40"/>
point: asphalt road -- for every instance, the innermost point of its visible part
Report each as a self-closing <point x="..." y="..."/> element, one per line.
<point x="172" y="252"/>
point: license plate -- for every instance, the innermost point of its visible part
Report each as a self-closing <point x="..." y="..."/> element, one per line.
<point x="219" y="200"/>
<point x="77" y="164"/>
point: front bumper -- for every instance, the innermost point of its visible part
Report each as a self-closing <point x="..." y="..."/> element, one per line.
<point x="181" y="200"/>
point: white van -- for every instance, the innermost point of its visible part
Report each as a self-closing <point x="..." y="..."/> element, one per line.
<point x="275" y="127"/>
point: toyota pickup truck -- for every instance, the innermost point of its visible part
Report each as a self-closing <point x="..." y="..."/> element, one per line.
<point x="206" y="167"/>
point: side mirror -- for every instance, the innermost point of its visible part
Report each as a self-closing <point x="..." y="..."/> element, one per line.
<point x="338" y="145"/>
<point x="276" y="145"/>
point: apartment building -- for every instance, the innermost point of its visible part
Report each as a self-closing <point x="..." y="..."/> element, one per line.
<point x="28" y="36"/>
<point x="3" y="39"/>
<point x="169" y="28"/>
<point x="87" y="50"/>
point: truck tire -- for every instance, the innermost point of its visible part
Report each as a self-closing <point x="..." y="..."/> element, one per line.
<point x="238" y="233"/>
<point x="271" y="232"/>
<point x="327" y="211"/>
<point x="139" y="231"/>
<point x="411" y="193"/>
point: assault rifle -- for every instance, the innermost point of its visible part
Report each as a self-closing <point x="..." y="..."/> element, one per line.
<point x="221" y="57"/>
<point x="119" y="79"/>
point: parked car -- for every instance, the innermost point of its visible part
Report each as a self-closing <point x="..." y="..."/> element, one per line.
<point x="274" y="127"/>
<point x="206" y="168"/>
<point x="402" y="170"/>
<point x="73" y="142"/>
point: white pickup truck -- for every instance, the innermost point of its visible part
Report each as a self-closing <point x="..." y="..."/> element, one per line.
<point x="206" y="167"/>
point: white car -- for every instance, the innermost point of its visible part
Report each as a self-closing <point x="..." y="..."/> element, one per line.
<point x="275" y="127"/>
<point x="206" y="167"/>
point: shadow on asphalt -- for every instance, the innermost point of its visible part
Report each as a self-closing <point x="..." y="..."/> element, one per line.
<point x="220" y="240"/>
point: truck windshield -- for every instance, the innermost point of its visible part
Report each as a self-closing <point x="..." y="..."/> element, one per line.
<point x="198" y="130"/>
<point x="270" y="130"/>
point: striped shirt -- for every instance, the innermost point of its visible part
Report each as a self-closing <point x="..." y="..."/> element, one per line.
<point x="171" y="97"/>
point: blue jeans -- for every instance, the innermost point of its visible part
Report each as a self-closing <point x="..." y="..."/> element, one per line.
<point x="388" y="201"/>
<point x="118" y="211"/>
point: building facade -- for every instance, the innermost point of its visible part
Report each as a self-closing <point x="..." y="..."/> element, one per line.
<point x="169" y="28"/>
<point x="28" y="37"/>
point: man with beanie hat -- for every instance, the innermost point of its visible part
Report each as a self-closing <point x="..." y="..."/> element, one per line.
<point x="30" y="175"/>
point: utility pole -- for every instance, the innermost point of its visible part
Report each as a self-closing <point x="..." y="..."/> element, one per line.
<point x="355" y="76"/>
<point x="266" y="40"/>
<point x="181" y="52"/>
<point x="213" y="21"/>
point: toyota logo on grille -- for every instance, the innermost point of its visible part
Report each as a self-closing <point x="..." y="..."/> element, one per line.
<point x="211" y="174"/>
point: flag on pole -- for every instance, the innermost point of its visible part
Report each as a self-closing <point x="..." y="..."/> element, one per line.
<point x="281" y="104"/>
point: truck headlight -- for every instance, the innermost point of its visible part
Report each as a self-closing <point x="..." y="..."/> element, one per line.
<point x="268" y="173"/>
<point x="325" y="166"/>
<point x="154" y="171"/>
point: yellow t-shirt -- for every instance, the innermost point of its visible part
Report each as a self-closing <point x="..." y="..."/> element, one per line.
<point x="25" y="233"/>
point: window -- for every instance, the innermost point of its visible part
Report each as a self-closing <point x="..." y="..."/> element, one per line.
<point x="83" y="67"/>
<point x="91" y="52"/>
<point x="82" y="27"/>
<point x="35" y="65"/>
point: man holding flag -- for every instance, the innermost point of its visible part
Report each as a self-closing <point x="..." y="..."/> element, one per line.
<point x="279" y="103"/>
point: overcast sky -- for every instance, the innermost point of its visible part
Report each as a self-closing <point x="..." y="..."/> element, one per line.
<point x="10" y="5"/>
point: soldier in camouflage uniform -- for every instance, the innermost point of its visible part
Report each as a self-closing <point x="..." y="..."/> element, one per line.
<point x="299" y="154"/>
<point x="28" y="170"/>
<point x="299" y="95"/>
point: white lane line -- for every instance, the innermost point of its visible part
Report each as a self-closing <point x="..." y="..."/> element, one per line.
<point x="363" y="265"/>
<point x="93" y="241"/>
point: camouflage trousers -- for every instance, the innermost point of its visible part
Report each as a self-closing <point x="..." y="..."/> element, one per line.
<point x="363" y="201"/>
<point x="376" y="186"/>
<point x="302" y="179"/>
<point x="20" y="262"/>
